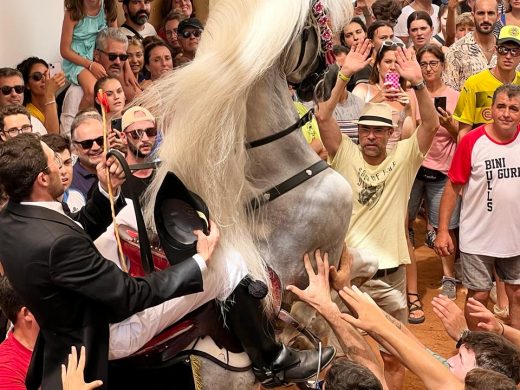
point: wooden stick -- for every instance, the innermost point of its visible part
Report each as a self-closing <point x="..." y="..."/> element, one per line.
<point x="110" y="193"/>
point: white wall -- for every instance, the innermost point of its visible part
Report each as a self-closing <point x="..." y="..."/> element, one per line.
<point x="30" y="28"/>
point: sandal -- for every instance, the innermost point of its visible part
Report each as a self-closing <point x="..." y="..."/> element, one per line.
<point x="413" y="306"/>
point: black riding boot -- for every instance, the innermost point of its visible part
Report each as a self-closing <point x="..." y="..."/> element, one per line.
<point x="274" y="364"/>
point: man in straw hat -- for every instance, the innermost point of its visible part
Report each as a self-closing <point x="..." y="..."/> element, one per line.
<point x="381" y="182"/>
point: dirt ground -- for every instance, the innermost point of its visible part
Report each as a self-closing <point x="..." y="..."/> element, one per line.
<point x="431" y="331"/>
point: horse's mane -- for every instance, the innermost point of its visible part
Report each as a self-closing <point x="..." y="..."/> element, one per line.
<point x="203" y="109"/>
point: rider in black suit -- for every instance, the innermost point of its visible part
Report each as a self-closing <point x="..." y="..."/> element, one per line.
<point x="53" y="264"/>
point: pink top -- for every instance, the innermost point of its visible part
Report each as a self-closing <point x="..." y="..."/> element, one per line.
<point x="443" y="146"/>
<point x="14" y="363"/>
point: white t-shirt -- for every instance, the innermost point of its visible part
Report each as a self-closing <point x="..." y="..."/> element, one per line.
<point x="400" y="29"/>
<point x="490" y="174"/>
<point x="70" y="108"/>
<point x="38" y="126"/>
<point x="148" y="31"/>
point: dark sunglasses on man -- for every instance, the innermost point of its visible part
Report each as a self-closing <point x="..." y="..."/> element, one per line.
<point x="87" y="144"/>
<point x="6" y="90"/>
<point x="113" y="56"/>
<point x="193" y="33"/>
<point x="137" y="134"/>
<point x="503" y="50"/>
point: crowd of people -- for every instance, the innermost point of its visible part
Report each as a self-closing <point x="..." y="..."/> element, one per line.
<point x="420" y="114"/>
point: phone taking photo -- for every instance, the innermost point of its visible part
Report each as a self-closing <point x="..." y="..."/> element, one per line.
<point x="439" y="102"/>
<point x="117" y="124"/>
<point x="392" y="78"/>
<point x="54" y="68"/>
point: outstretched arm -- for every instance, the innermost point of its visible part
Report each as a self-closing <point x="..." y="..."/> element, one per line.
<point x="409" y="68"/>
<point x="317" y="294"/>
<point x="373" y="320"/>
<point x="357" y="59"/>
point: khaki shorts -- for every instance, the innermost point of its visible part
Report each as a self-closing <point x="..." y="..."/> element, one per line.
<point x="389" y="292"/>
<point x="477" y="270"/>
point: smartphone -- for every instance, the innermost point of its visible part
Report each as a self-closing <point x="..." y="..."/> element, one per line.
<point x="117" y="124"/>
<point x="54" y="68"/>
<point x="392" y="78"/>
<point x="440" y="101"/>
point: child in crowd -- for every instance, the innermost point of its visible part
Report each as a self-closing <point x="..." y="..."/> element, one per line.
<point x="82" y="21"/>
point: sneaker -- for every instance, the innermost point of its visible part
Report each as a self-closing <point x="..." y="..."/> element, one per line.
<point x="449" y="287"/>
<point x="429" y="240"/>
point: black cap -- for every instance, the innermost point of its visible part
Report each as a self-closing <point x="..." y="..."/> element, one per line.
<point x="190" y="22"/>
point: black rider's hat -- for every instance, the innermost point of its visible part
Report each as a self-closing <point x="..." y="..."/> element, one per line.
<point x="178" y="212"/>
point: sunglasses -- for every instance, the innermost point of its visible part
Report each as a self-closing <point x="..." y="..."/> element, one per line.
<point x="137" y="134"/>
<point x="502" y="50"/>
<point x="37" y="76"/>
<point x="391" y="44"/>
<point x="6" y="90"/>
<point x="87" y="144"/>
<point x="113" y="56"/>
<point x="194" y="33"/>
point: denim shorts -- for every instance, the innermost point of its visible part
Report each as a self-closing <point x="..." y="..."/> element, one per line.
<point x="432" y="193"/>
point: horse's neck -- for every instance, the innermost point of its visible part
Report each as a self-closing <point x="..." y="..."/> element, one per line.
<point x="270" y="109"/>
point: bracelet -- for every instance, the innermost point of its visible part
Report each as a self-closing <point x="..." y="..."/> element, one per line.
<point x="49" y="103"/>
<point x="90" y="66"/>
<point x="342" y="77"/>
<point x="419" y="86"/>
<point x="463" y="334"/>
<point x="503" y="329"/>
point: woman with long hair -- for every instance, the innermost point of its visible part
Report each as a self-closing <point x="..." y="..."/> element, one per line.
<point x="158" y="60"/>
<point x="40" y="92"/>
<point x="135" y="53"/>
<point x="432" y="176"/>
<point x="354" y="31"/>
<point x="116" y="102"/>
<point x="380" y="90"/>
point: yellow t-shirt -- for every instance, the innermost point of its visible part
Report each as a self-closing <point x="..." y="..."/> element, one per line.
<point x="474" y="104"/>
<point x="35" y="112"/>
<point x="380" y="198"/>
<point x="310" y="130"/>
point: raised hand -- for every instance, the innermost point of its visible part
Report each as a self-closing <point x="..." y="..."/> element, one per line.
<point x="450" y="315"/>
<point x="369" y="316"/>
<point x="117" y="175"/>
<point x="317" y="293"/>
<point x="487" y="319"/>
<point x="407" y="66"/>
<point x="72" y="376"/>
<point x="357" y="58"/>
<point x="340" y="277"/>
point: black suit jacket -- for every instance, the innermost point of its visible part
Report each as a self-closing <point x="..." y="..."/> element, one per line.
<point x="72" y="290"/>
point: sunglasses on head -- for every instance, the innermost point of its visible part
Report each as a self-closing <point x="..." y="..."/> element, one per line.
<point x="193" y="33"/>
<point x="6" y="90"/>
<point x="87" y="144"/>
<point x="114" y="56"/>
<point x="391" y="44"/>
<point x="502" y="50"/>
<point x="137" y="134"/>
<point x="37" y="76"/>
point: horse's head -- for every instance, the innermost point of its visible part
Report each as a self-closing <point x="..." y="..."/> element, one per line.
<point x="310" y="53"/>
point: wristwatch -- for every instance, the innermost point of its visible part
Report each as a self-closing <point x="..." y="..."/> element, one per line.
<point x="463" y="334"/>
<point x="419" y="86"/>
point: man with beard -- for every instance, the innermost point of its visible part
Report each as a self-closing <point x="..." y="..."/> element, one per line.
<point x="474" y="105"/>
<point x="474" y="52"/>
<point x="137" y="13"/>
<point x="140" y="135"/>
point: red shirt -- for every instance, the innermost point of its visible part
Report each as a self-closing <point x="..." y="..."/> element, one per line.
<point x="14" y="362"/>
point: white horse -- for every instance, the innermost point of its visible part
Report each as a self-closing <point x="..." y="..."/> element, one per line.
<point x="236" y="91"/>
